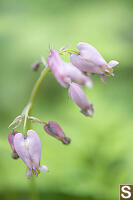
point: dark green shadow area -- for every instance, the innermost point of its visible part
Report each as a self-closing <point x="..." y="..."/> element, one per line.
<point x="46" y="196"/>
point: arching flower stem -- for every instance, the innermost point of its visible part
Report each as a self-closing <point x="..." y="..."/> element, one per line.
<point x="43" y="74"/>
<point x="28" y="108"/>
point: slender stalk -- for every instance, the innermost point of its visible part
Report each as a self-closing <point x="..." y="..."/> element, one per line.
<point x="37" y="85"/>
<point x="26" y="117"/>
<point x="68" y="51"/>
<point x="33" y="189"/>
<point x="32" y="97"/>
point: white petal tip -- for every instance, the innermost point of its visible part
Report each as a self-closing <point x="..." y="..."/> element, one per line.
<point x="43" y="168"/>
<point x="89" y="84"/>
<point x="113" y="63"/>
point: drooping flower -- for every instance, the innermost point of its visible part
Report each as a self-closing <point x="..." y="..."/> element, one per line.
<point x="89" y="60"/>
<point x="65" y="73"/>
<point x="29" y="150"/>
<point x="79" y="97"/>
<point x="53" y="129"/>
<point x="11" y="142"/>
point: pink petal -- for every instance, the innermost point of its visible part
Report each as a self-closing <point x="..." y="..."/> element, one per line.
<point x="22" y="147"/>
<point x="34" y="148"/>
<point x="76" y="75"/>
<point x="11" y="140"/>
<point x="56" y="65"/>
<point x="90" y="53"/>
<point x="79" y="97"/>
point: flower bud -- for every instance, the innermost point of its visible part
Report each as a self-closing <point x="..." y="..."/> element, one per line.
<point x="36" y="65"/>
<point x="53" y="129"/>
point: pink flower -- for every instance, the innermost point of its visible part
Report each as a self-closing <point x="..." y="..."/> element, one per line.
<point x="90" y="60"/>
<point x="11" y="142"/>
<point x="79" y="97"/>
<point x="53" y="129"/>
<point x="29" y="150"/>
<point x="65" y="73"/>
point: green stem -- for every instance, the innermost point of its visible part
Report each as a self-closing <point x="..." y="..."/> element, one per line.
<point x="33" y="94"/>
<point x="27" y="109"/>
<point x="37" y="85"/>
<point x="33" y="189"/>
<point x="68" y="51"/>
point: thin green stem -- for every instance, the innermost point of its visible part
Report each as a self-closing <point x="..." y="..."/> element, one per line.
<point x="27" y="108"/>
<point x="33" y="189"/>
<point x="69" y="51"/>
<point x="37" y="85"/>
<point x="33" y="94"/>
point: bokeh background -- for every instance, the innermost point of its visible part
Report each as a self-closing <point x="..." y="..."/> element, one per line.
<point x="100" y="156"/>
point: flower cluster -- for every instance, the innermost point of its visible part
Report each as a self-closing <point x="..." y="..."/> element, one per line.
<point x="28" y="147"/>
<point x="74" y="76"/>
<point x="78" y="73"/>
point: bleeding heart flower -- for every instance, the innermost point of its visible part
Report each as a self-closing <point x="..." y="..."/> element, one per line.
<point x="90" y="61"/>
<point x="29" y="150"/>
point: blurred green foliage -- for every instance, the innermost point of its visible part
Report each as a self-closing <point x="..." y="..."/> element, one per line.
<point x="100" y="156"/>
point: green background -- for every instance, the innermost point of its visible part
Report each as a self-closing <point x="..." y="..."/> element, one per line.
<point x="100" y="156"/>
